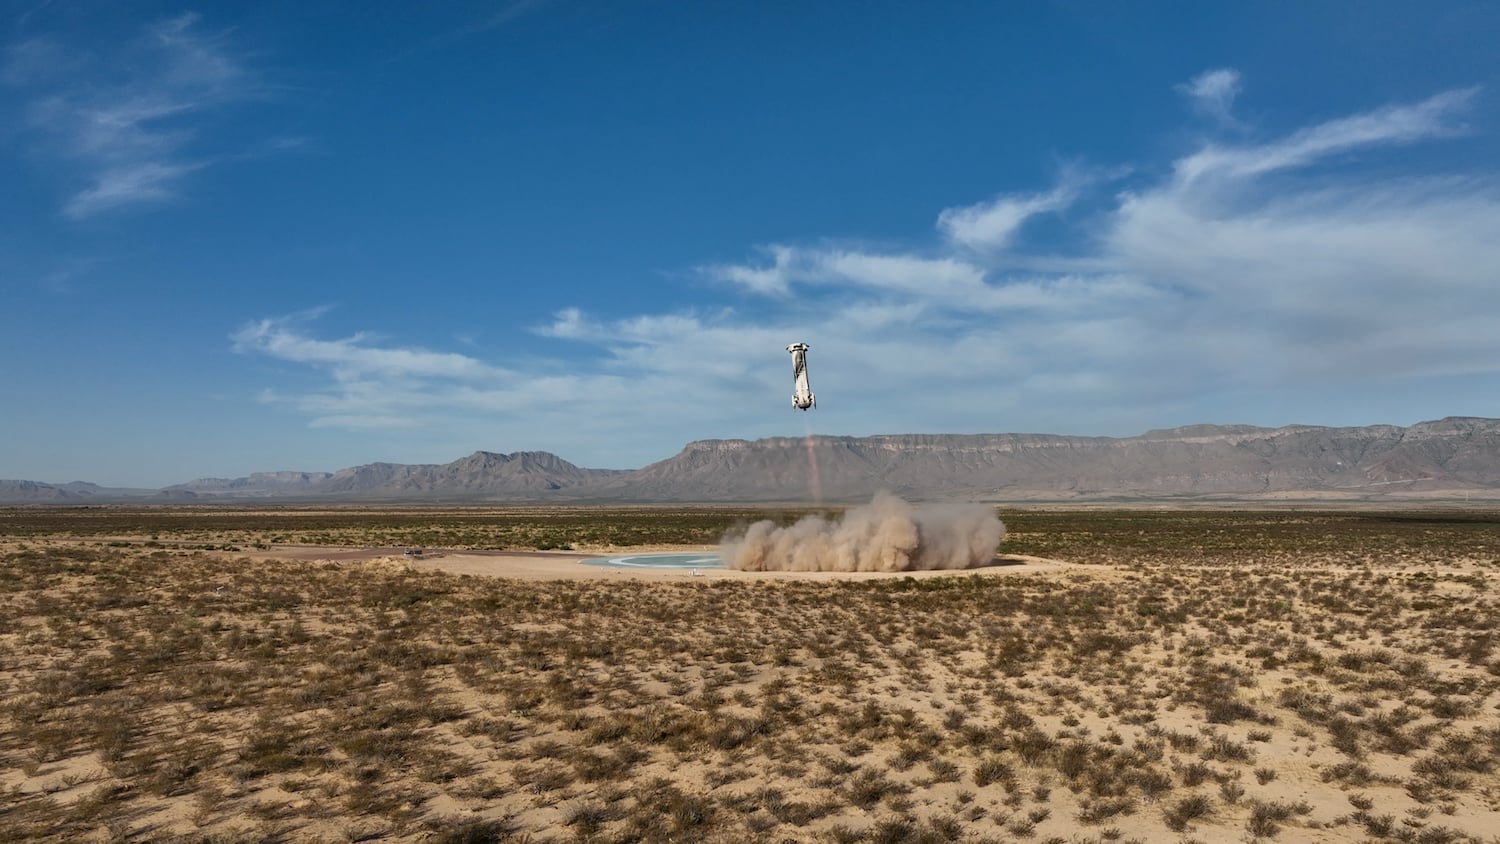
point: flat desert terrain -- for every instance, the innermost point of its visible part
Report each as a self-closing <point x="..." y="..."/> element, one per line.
<point x="284" y="674"/>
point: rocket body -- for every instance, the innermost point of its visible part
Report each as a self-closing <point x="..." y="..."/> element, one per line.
<point x="802" y="394"/>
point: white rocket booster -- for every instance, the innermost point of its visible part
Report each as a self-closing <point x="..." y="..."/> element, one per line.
<point x="802" y="397"/>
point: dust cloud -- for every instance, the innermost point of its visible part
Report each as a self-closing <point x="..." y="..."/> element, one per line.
<point x="888" y="534"/>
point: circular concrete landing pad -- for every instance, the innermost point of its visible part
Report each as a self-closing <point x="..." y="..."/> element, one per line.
<point x="681" y="561"/>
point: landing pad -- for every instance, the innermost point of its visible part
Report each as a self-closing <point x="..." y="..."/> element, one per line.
<point x="693" y="560"/>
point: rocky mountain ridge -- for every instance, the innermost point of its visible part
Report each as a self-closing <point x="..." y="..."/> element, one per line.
<point x="12" y="491"/>
<point x="1453" y="456"/>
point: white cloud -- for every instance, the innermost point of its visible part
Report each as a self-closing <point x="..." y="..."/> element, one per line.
<point x="942" y="279"/>
<point x="355" y="357"/>
<point x="994" y="224"/>
<point x="569" y="324"/>
<point x="938" y="279"/>
<point x="774" y="280"/>
<point x="125" y="185"/>
<point x="1396" y="124"/>
<point x="127" y="123"/>
<point x="1213" y="92"/>
<point x="1304" y="272"/>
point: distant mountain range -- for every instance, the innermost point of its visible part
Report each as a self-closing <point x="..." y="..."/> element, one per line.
<point x="1453" y="457"/>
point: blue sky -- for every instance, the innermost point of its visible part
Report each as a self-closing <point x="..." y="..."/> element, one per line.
<point x="261" y="236"/>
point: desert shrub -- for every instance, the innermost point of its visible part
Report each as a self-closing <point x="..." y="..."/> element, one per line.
<point x="1033" y="746"/>
<point x="868" y="786"/>
<point x="689" y="813"/>
<point x="1188" y="808"/>
<point x="1352" y="773"/>
<point x="1223" y="749"/>
<point x="1152" y="782"/>
<point x="992" y="769"/>
<point x="469" y="830"/>
<point x="1099" y="809"/>
<point x="1266" y="816"/>
<point x="1194" y="773"/>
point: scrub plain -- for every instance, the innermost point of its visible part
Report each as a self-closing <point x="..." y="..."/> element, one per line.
<point x="215" y="674"/>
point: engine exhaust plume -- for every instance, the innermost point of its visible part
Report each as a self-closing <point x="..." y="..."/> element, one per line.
<point x="888" y="534"/>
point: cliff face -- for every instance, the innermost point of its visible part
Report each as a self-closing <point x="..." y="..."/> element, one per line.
<point x="1456" y="455"/>
<point x="482" y="474"/>
<point x="79" y="492"/>
<point x="255" y="483"/>
<point x="34" y="491"/>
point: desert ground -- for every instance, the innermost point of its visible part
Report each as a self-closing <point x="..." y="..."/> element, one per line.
<point x="288" y="674"/>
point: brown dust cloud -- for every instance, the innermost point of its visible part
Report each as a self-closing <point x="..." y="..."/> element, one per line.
<point x="888" y="534"/>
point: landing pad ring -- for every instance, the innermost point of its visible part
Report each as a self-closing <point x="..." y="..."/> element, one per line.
<point x="677" y="561"/>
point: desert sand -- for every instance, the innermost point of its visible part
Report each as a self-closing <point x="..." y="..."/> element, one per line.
<point x="1169" y="677"/>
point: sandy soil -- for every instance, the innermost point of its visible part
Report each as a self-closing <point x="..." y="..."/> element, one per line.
<point x="1077" y="653"/>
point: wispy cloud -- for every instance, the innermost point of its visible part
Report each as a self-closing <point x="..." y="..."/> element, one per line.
<point x="1395" y="124"/>
<point x="505" y="14"/>
<point x="1242" y="268"/>
<point x="1213" y="92"/>
<point x="66" y="278"/>
<point x="993" y="225"/>
<point x="940" y="277"/>
<point x="128" y="121"/>
<point x="775" y="279"/>
<point x="32" y="12"/>
<point x="128" y="184"/>
<point x="356" y="357"/>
